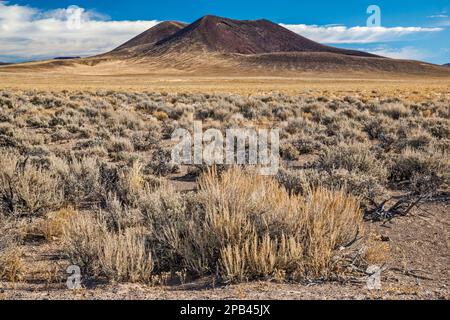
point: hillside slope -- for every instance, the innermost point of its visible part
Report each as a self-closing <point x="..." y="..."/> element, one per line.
<point x="147" y="39"/>
<point x="217" y="34"/>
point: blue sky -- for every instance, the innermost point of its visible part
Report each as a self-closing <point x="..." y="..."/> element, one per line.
<point x="37" y="29"/>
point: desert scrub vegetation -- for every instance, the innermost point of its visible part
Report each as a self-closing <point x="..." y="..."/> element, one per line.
<point x="26" y="189"/>
<point x="238" y="227"/>
<point x="90" y="173"/>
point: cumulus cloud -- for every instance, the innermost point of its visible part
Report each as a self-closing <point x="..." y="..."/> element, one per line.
<point x="29" y="33"/>
<point x="343" y="34"/>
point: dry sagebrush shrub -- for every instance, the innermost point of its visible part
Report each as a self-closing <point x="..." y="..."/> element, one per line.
<point x="11" y="261"/>
<point x="240" y="226"/>
<point x="353" y="158"/>
<point x="119" y="216"/>
<point x="395" y="110"/>
<point x="55" y="222"/>
<point x="415" y="166"/>
<point x="359" y="184"/>
<point x="245" y="227"/>
<point x="416" y="139"/>
<point x="300" y="181"/>
<point x="89" y="182"/>
<point x="295" y="236"/>
<point x="27" y="189"/>
<point x="83" y="241"/>
<point x="354" y="168"/>
<point x="131" y="183"/>
<point x="118" y="256"/>
<point x="119" y="144"/>
<point x="167" y="217"/>
<point x="160" y="163"/>
<point x="80" y="179"/>
<point x="12" y="266"/>
<point x="125" y="257"/>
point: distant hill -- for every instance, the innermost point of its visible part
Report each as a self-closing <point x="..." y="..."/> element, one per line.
<point x="66" y="58"/>
<point x="222" y="35"/>
<point x="221" y="45"/>
<point x="216" y="34"/>
<point x="447" y="65"/>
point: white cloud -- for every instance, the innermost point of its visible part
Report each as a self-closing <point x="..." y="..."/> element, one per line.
<point x="28" y="33"/>
<point x="438" y="16"/>
<point x="443" y="23"/>
<point x="343" y="34"/>
<point x="441" y="19"/>
<point x="407" y="53"/>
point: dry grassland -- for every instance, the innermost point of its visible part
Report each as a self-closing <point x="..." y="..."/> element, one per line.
<point x="85" y="179"/>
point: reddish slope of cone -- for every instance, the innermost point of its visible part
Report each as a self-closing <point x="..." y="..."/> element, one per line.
<point x="244" y="37"/>
<point x="147" y="39"/>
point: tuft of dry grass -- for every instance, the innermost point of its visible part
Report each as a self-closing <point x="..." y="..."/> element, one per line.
<point x="161" y="115"/>
<point x="125" y="257"/>
<point x="245" y="214"/>
<point x="377" y="252"/>
<point x="119" y="256"/>
<point x="55" y="222"/>
<point x="12" y="267"/>
<point x="83" y="240"/>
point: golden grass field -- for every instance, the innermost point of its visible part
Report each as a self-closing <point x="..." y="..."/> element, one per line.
<point x="117" y="76"/>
